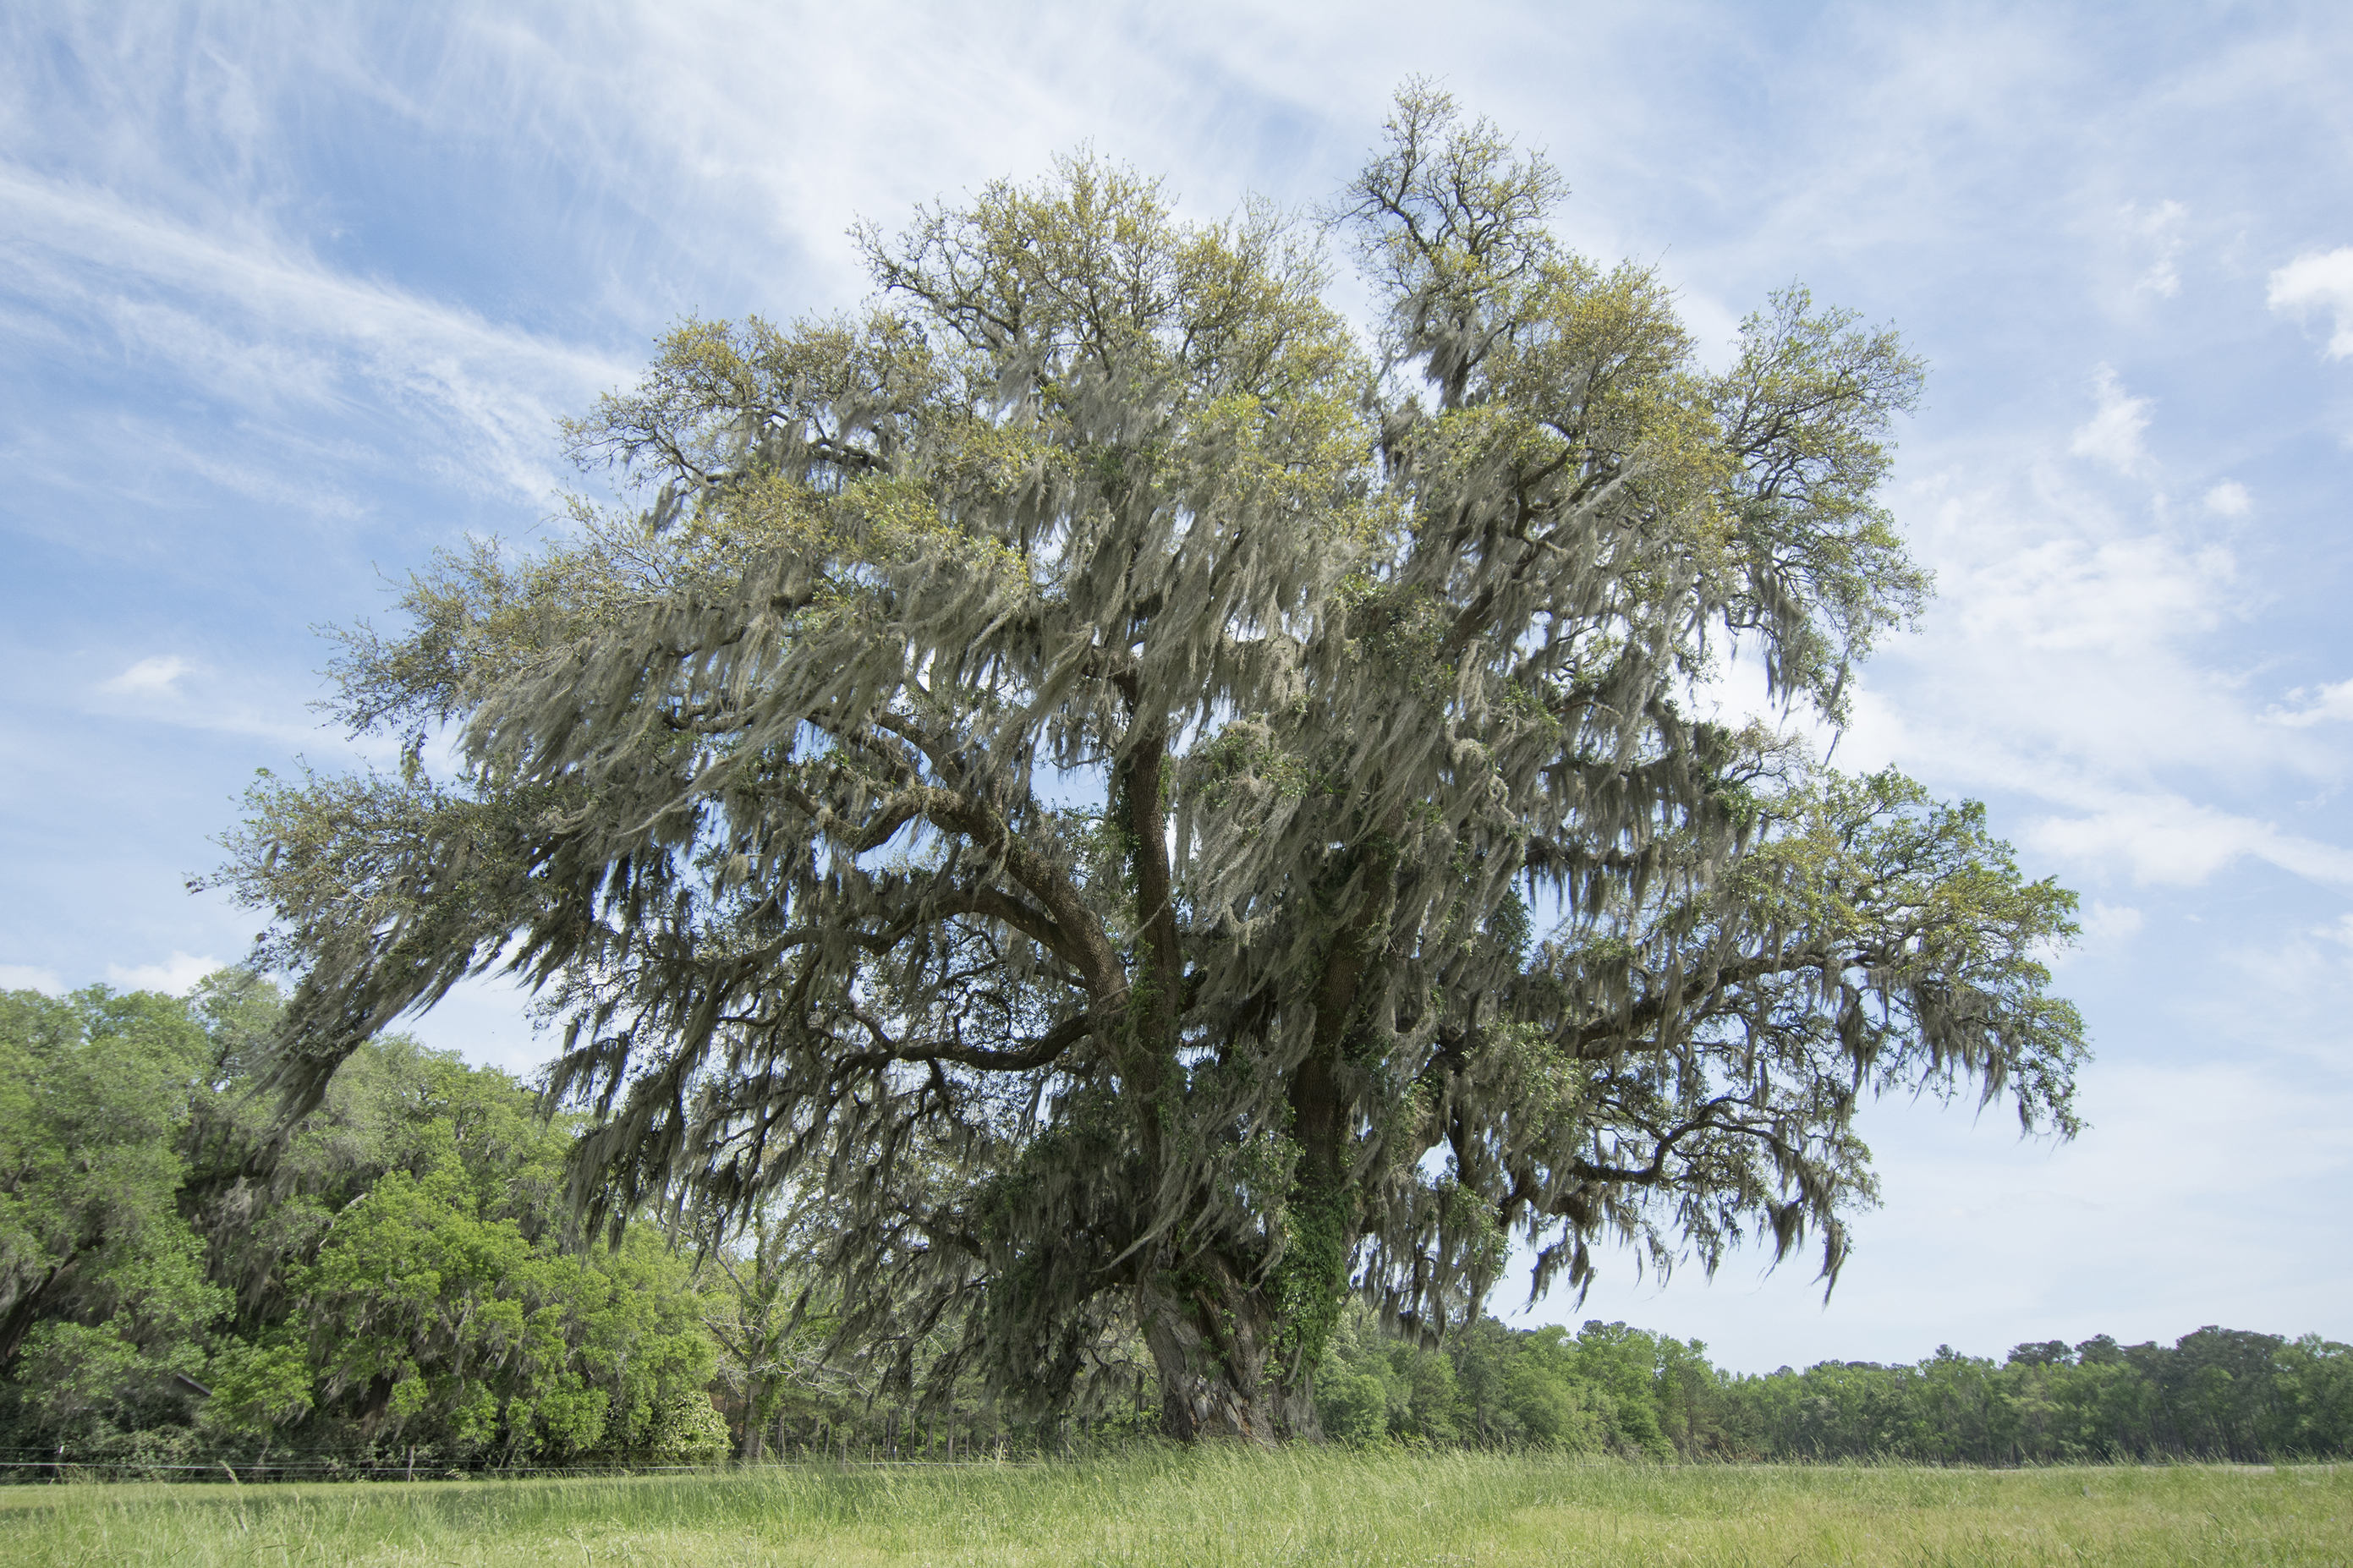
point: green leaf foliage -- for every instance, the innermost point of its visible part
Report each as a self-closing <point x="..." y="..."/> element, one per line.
<point x="400" y="1282"/>
<point x="1610" y="1389"/>
<point x="1164" y="816"/>
<point x="393" y="1271"/>
<point x="102" y="1289"/>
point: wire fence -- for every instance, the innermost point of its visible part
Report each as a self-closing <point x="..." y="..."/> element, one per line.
<point x="26" y="1466"/>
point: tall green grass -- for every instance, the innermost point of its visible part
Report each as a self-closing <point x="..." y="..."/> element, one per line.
<point x="1221" y="1508"/>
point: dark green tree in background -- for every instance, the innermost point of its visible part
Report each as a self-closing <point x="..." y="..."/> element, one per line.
<point x="184" y="1279"/>
<point x="1160" y="817"/>
<point x="104" y="1294"/>
<point x="2217" y="1394"/>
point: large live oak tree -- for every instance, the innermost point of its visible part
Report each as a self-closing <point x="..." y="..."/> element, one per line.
<point x="1073" y="766"/>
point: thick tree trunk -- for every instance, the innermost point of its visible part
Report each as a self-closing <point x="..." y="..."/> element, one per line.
<point x="18" y="1316"/>
<point x="1212" y="1341"/>
<point x="766" y="1398"/>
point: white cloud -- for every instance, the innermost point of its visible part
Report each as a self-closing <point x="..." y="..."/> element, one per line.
<point x="2112" y="436"/>
<point x="2074" y="660"/>
<point x="245" y="697"/>
<point x="242" y="700"/>
<point x="2229" y="499"/>
<point x="25" y="978"/>
<point x="156" y="677"/>
<point x="2061" y="650"/>
<point x="2307" y="972"/>
<point x="257" y="482"/>
<point x="2316" y="704"/>
<point x="2167" y="840"/>
<point x="249" y="319"/>
<point x="2319" y="281"/>
<point x="2159" y="230"/>
<point x="176" y="976"/>
<point x="2110" y="925"/>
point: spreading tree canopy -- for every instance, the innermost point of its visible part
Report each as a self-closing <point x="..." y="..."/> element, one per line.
<point x="1164" y="814"/>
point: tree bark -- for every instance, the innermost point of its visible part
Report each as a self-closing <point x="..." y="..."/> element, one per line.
<point x="1212" y="1339"/>
<point x="23" y="1312"/>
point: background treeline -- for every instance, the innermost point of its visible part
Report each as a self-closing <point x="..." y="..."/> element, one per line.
<point x="394" y="1280"/>
<point x="2216" y="1394"/>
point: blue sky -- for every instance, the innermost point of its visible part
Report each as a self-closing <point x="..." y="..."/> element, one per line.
<point x="291" y="295"/>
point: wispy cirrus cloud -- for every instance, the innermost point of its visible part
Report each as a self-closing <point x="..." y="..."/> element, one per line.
<point x="2157" y="234"/>
<point x="154" y="676"/>
<point x="2166" y="839"/>
<point x="2075" y="664"/>
<point x="246" y="317"/>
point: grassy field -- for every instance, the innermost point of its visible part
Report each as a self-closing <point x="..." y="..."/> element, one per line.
<point x="1218" y="1508"/>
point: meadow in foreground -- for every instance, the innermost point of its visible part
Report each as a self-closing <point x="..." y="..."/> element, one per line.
<point x="1225" y="1508"/>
